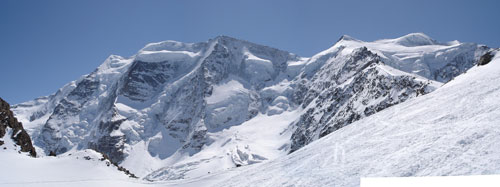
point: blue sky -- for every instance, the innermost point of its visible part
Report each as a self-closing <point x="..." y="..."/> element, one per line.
<point x="46" y="44"/>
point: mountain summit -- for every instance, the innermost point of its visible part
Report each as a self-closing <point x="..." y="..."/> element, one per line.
<point x="413" y="40"/>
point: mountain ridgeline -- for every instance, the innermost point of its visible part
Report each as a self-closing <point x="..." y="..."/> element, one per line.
<point x="173" y="100"/>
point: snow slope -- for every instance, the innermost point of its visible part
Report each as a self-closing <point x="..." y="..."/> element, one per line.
<point x="243" y="145"/>
<point x="451" y="131"/>
<point x="81" y="168"/>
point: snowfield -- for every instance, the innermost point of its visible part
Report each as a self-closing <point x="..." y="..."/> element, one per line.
<point x="81" y="168"/>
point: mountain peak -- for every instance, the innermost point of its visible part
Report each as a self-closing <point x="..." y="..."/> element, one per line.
<point x="169" y="45"/>
<point x="415" y="39"/>
<point x="225" y="37"/>
<point x="417" y="34"/>
<point x="347" y="38"/>
<point x="228" y="39"/>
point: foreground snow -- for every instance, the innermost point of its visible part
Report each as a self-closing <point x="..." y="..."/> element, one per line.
<point x="81" y="168"/>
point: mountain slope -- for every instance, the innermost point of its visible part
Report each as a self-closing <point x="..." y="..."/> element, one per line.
<point x="451" y="131"/>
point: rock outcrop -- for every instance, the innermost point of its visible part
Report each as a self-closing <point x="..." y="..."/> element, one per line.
<point x="11" y="128"/>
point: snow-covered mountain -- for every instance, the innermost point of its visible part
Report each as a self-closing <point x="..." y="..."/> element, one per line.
<point x="354" y="79"/>
<point x="184" y="110"/>
<point x="451" y="131"/>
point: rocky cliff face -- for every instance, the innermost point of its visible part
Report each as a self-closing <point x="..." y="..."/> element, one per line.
<point x="172" y="102"/>
<point x="11" y="128"/>
<point x="355" y="79"/>
<point x="345" y="91"/>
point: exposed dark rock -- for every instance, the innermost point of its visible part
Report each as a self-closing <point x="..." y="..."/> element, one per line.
<point x="120" y="168"/>
<point x="52" y="153"/>
<point x="485" y="59"/>
<point x="19" y="135"/>
<point x="112" y="145"/>
<point x="144" y="78"/>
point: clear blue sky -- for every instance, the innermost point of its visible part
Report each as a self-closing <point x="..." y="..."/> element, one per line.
<point x="46" y="44"/>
